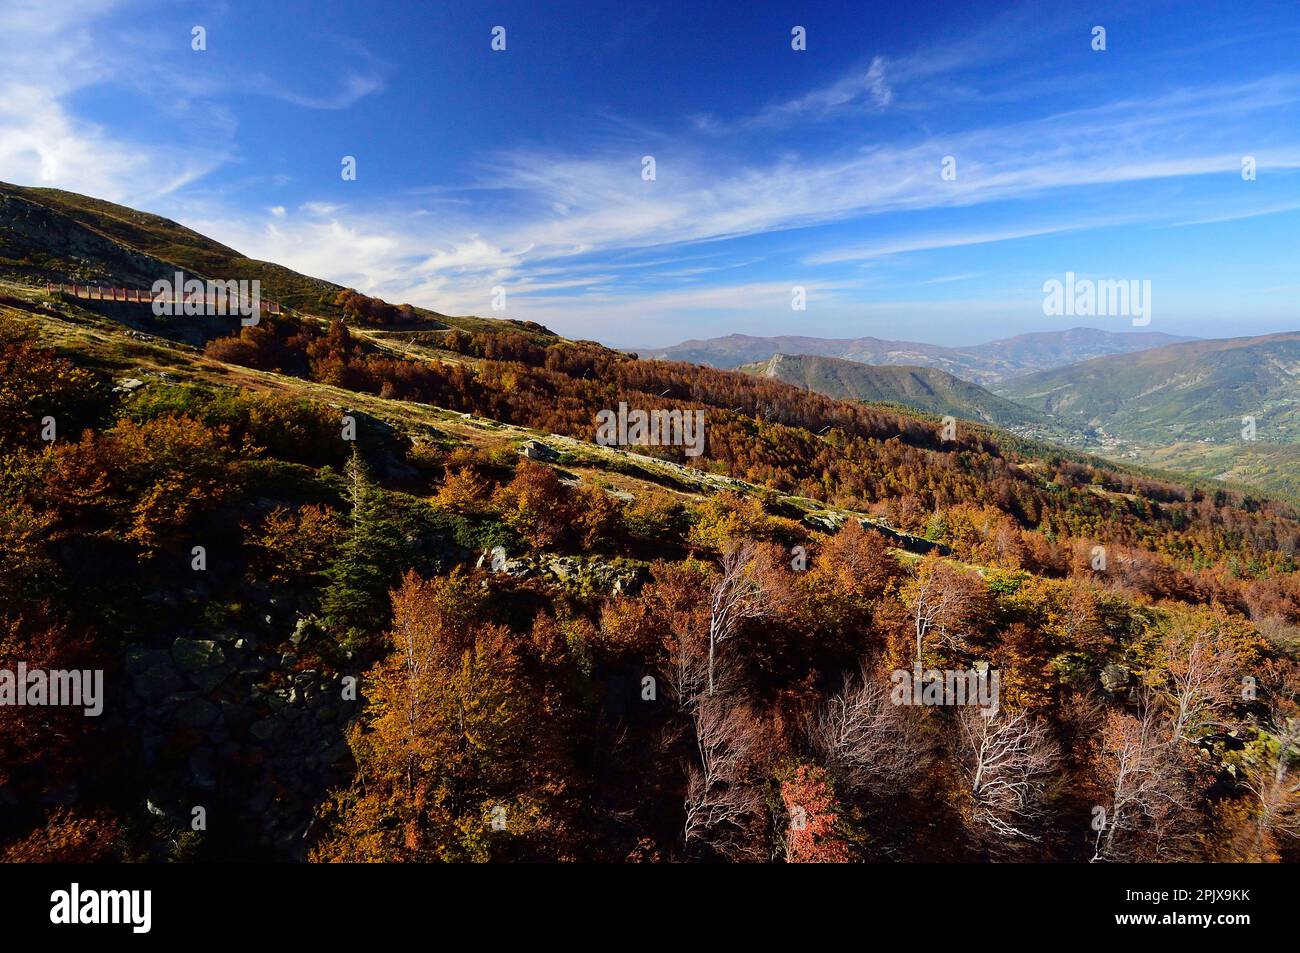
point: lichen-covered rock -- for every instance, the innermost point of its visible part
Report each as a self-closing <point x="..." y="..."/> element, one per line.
<point x="1115" y="677"/>
<point x="536" y="450"/>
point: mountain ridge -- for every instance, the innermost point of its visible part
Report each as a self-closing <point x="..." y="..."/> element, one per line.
<point x="1187" y="390"/>
<point x="53" y="235"/>
<point x="983" y="364"/>
<point x="926" y="389"/>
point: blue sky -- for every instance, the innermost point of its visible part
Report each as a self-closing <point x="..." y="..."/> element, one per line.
<point x="522" y="169"/>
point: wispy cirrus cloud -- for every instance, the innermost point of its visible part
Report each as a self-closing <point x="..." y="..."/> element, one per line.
<point x="556" y="217"/>
<point x="50" y="51"/>
<point x="699" y="198"/>
<point x="352" y="87"/>
<point x="868" y="86"/>
<point x="810" y="186"/>
<point x="54" y="51"/>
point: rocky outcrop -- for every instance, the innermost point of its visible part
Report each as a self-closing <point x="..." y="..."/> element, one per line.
<point x="1115" y="678"/>
<point x="536" y="450"/>
<point x="73" y="251"/>
<point x="581" y="573"/>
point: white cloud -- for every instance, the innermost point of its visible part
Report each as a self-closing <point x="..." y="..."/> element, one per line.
<point x="354" y="86"/>
<point x="555" y="213"/>
<point x="705" y="197"/>
<point x="51" y="50"/>
<point x="549" y="223"/>
<point x="868" y="84"/>
<point x="899" y="246"/>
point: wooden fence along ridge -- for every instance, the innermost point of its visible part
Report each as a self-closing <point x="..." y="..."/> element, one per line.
<point x="99" y="293"/>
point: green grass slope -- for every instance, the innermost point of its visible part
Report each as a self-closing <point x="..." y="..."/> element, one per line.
<point x="1191" y="391"/>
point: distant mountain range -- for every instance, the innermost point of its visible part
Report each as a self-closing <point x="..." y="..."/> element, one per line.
<point x="1188" y="391"/>
<point x="983" y="364"/>
<point x="921" y="388"/>
<point x="1228" y="409"/>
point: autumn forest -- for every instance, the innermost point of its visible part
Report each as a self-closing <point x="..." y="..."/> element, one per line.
<point x="351" y="631"/>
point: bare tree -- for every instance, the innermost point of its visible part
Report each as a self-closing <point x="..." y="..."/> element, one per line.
<point x="745" y="591"/>
<point x="1147" y="785"/>
<point x="688" y="671"/>
<point x="1009" y="761"/>
<point x="942" y="597"/>
<point x="1203" y="682"/>
<point x="724" y="807"/>
<point x="724" y="804"/>
<point x="867" y="742"/>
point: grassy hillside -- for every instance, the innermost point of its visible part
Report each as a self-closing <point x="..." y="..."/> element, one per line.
<point x="52" y="235"/>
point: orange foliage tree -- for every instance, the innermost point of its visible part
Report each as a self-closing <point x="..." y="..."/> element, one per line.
<point x="460" y="754"/>
<point x="812" y="814"/>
